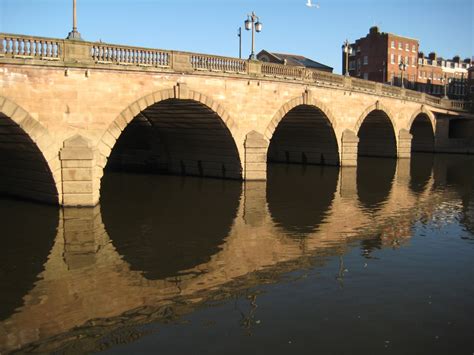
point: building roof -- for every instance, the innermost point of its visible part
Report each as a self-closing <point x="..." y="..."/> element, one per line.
<point x="296" y="60"/>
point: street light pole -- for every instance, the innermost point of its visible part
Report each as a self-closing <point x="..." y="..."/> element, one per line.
<point x="446" y="81"/>
<point x="253" y="23"/>
<point x="347" y="49"/>
<point x="239" y="34"/>
<point x="74" y="34"/>
<point x="402" y="66"/>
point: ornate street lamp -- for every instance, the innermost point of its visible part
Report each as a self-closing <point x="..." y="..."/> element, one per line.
<point x="253" y="23"/>
<point x="402" y="66"/>
<point x="347" y="50"/>
<point x="446" y="82"/>
<point x="74" y="34"/>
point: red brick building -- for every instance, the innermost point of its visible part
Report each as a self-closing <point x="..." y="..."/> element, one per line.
<point x="379" y="55"/>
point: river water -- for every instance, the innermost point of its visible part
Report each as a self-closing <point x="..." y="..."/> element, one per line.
<point x="378" y="259"/>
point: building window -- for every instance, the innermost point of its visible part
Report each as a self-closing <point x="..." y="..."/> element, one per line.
<point x="413" y="62"/>
<point x="358" y="63"/>
<point x="407" y="47"/>
<point x="352" y="65"/>
<point x="399" y="59"/>
<point x="400" y="45"/>
<point x="393" y="44"/>
<point x="413" y="48"/>
<point x="392" y="58"/>
<point x="366" y="76"/>
<point x="407" y="60"/>
<point x="366" y="60"/>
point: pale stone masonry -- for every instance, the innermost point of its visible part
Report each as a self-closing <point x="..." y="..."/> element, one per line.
<point x="212" y="116"/>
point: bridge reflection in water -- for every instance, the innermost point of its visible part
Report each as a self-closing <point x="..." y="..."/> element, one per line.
<point x="159" y="246"/>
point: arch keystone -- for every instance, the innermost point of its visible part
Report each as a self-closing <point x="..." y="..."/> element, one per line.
<point x="181" y="91"/>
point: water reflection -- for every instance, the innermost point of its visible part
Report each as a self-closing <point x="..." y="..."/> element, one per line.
<point x="27" y="234"/>
<point x="299" y="197"/>
<point x="167" y="224"/>
<point x="421" y="165"/>
<point x="374" y="180"/>
<point x="158" y="247"/>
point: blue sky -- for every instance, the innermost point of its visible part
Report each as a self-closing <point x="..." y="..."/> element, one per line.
<point x="210" y="26"/>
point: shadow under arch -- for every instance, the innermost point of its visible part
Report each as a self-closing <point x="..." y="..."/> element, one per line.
<point x="28" y="234"/>
<point x="376" y="130"/>
<point x="25" y="171"/>
<point x="375" y="178"/>
<point x="164" y="225"/>
<point x="422" y="130"/>
<point x="176" y="131"/>
<point x="299" y="197"/>
<point x="302" y="132"/>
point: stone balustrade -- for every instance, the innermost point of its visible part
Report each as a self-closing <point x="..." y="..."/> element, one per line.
<point x="104" y="53"/>
<point x="70" y="53"/>
<point x="27" y="47"/>
<point x="215" y="63"/>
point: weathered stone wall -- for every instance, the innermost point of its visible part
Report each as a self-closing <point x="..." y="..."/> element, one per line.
<point x="98" y="104"/>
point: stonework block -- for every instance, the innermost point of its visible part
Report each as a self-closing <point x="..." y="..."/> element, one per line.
<point x="77" y="187"/>
<point x="77" y="174"/>
<point x="114" y="130"/>
<point x="108" y="139"/>
<point x="76" y="154"/>
<point x="8" y="108"/>
<point x="80" y="200"/>
<point x="77" y="163"/>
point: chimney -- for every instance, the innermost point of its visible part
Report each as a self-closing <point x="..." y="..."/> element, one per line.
<point x="432" y="56"/>
<point x="374" y="30"/>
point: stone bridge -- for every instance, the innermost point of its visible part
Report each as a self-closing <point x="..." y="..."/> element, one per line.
<point x="70" y="109"/>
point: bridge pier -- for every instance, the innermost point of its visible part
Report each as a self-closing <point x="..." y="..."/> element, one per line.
<point x="349" y="147"/>
<point x="255" y="165"/>
<point x="81" y="182"/>
<point x="404" y="144"/>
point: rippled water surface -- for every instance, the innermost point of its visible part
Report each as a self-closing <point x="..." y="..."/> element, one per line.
<point x="367" y="260"/>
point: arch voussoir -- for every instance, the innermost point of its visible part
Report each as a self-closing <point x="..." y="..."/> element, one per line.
<point x="28" y="186"/>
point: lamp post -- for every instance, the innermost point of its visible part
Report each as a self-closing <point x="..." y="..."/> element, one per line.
<point x="346" y="49"/>
<point x="253" y="23"/>
<point x="446" y="82"/>
<point x="402" y="66"/>
<point x="74" y="34"/>
<point x="239" y="34"/>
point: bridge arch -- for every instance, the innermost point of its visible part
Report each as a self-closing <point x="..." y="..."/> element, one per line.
<point x="175" y="111"/>
<point x="422" y="126"/>
<point x="376" y="129"/>
<point x="303" y="131"/>
<point x="29" y="161"/>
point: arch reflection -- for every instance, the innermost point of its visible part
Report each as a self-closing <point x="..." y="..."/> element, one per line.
<point x="28" y="234"/>
<point x="299" y="196"/>
<point x="163" y="225"/>
<point x="374" y="181"/>
<point x="421" y="167"/>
